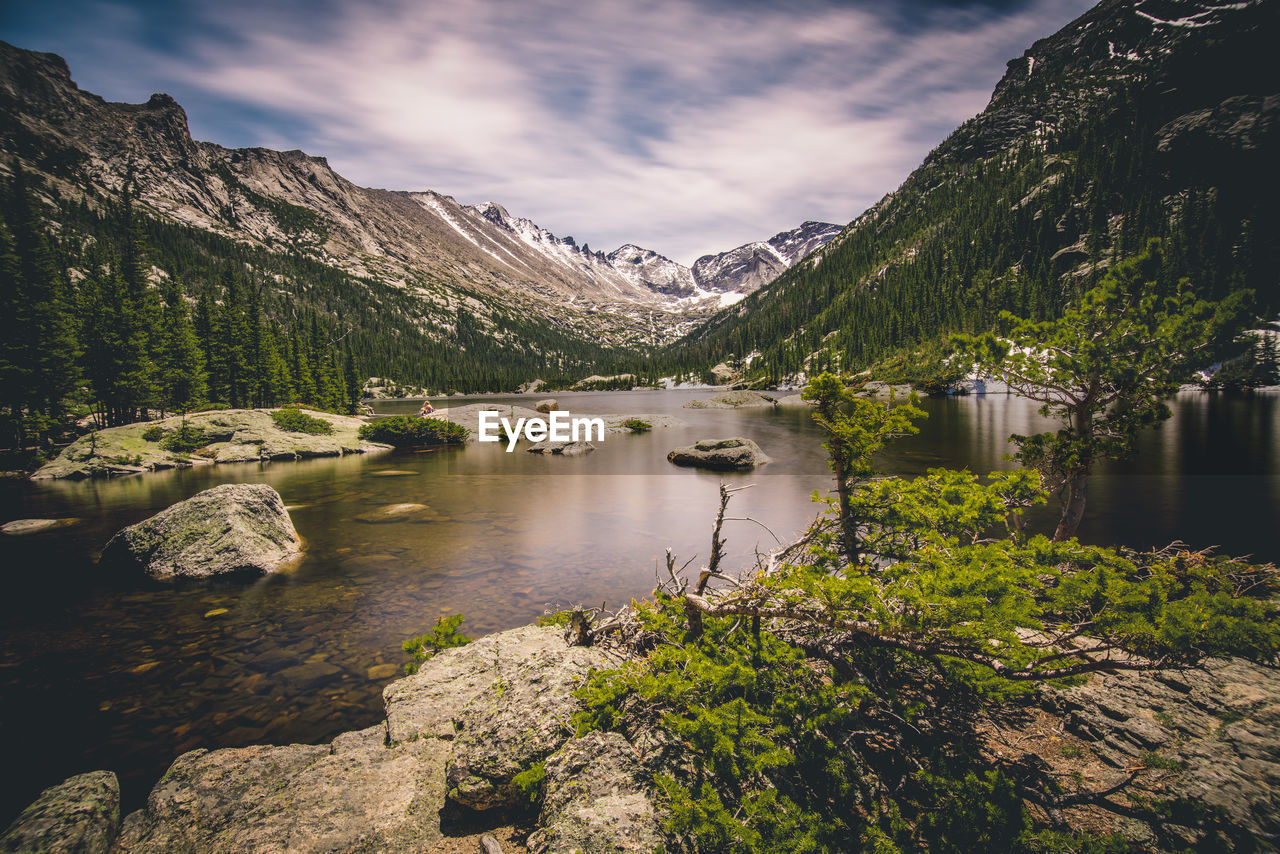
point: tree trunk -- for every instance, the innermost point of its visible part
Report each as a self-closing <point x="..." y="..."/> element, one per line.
<point x="1073" y="509"/>
<point x="1078" y="483"/>
<point x="848" y="524"/>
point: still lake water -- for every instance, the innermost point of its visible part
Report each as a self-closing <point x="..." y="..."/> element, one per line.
<point x="102" y="672"/>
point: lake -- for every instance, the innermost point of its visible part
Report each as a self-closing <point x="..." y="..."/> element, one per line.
<point x="103" y="672"/>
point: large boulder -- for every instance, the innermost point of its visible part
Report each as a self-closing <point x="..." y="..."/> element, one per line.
<point x="233" y="529"/>
<point x="548" y="405"/>
<point x="733" y="400"/>
<point x="720" y="454"/>
<point x="356" y="794"/>
<point x="78" y="816"/>
<point x="505" y="700"/>
<point x="597" y="799"/>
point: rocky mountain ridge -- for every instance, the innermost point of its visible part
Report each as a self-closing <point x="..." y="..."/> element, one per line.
<point x="1140" y="119"/>
<point x="445" y="255"/>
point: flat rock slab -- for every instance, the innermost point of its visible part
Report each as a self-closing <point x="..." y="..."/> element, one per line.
<point x="720" y="454"/>
<point x="19" y="527"/>
<point x="597" y="800"/>
<point x="81" y="815"/>
<point x="355" y="794"/>
<point x="1222" y="720"/>
<point x="733" y="400"/>
<point x="232" y="529"/>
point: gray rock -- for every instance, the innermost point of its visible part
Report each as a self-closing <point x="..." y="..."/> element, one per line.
<point x="733" y="400"/>
<point x="720" y="454"/>
<point x="505" y="700"/>
<point x="794" y="400"/>
<point x="547" y="405"/>
<point x="597" y="800"/>
<point x="356" y="794"/>
<point x="80" y="815"/>
<point x="568" y="449"/>
<point x="19" y="527"/>
<point x="1222" y="721"/>
<point x="236" y="528"/>
<point x="521" y="718"/>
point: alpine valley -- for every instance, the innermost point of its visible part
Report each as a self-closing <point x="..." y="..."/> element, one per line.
<point x="434" y="273"/>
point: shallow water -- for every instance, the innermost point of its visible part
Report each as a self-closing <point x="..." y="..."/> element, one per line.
<point x="104" y="672"/>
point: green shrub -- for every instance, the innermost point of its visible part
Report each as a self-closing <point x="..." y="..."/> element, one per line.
<point x="530" y="781"/>
<point x="185" y="439"/>
<point x="154" y="433"/>
<point x="444" y="636"/>
<point x="635" y="425"/>
<point x="407" y="430"/>
<point x="297" y="421"/>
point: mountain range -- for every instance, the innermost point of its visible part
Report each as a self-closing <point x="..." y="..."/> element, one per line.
<point x="443" y="255"/>
<point x="1140" y="119"/>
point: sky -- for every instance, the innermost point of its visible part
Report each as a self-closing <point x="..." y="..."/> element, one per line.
<point x="684" y="126"/>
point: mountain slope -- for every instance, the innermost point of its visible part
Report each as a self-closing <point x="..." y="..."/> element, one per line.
<point x="442" y="256"/>
<point x="1139" y="119"/>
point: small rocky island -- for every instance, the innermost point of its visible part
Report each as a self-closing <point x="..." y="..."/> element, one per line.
<point x="224" y="436"/>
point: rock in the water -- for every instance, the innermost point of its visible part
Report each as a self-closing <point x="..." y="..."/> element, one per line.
<point x="568" y="449"/>
<point x="548" y="405"/>
<point x="78" y="816"/>
<point x="356" y="794"/>
<point x="794" y="400"/>
<point x="720" y="454"/>
<point x="233" y="529"/>
<point x="733" y="400"/>
<point x="400" y="513"/>
<point x="18" y="527"/>
<point x="597" y="800"/>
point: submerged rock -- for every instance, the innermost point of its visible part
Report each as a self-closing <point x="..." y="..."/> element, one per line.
<point x="568" y="449"/>
<point x="80" y="814"/>
<point x="19" y="527"/>
<point x="733" y="400"/>
<point x="720" y="454"/>
<point x="597" y="800"/>
<point x="236" y="528"/>
<point x="399" y="513"/>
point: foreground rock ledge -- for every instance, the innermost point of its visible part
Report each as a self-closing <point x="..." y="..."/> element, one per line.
<point x="484" y="711"/>
<point x="232" y="529"/>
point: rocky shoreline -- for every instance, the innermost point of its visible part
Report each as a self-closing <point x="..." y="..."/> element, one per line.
<point x="454" y="737"/>
<point x="479" y="741"/>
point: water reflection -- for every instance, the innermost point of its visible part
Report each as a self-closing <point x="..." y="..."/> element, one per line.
<point x="109" y="672"/>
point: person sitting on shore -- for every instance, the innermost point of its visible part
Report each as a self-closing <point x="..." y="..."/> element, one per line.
<point x="426" y="409"/>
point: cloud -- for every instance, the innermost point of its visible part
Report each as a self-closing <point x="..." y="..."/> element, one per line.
<point x="688" y="127"/>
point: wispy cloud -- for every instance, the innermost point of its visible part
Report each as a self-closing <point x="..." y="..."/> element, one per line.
<point x="685" y="126"/>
